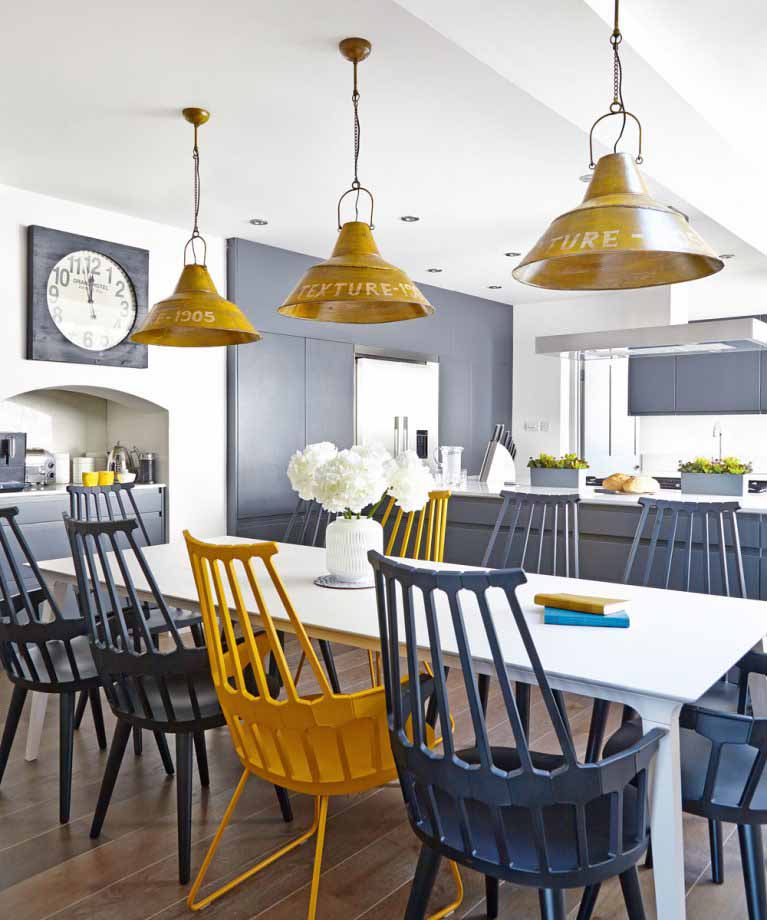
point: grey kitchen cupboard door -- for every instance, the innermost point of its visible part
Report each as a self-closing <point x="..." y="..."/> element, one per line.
<point x="652" y="386"/>
<point x="329" y="392"/>
<point x="270" y="422"/>
<point x="708" y="384"/>
<point x="763" y="381"/>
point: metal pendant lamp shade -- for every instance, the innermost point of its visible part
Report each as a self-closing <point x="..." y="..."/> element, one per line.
<point x="356" y="285"/>
<point x="196" y="315"/>
<point x="619" y="237"/>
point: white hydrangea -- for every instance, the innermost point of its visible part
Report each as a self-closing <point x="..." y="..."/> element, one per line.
<point x="409" y="481"/>
<point x="304" y="464"/>
<point x="350" y="480"/>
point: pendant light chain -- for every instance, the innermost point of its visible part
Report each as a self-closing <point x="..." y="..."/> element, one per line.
<point x="356" y="106"/>
<point x="356" y="50"/>
<point x="196" y="235"/>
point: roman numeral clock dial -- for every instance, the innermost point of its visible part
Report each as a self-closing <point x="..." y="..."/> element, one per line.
<point x="91" y="300"/>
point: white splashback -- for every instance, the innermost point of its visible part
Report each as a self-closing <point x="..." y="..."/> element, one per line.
<point x="56" y="420"/>
<point x="665" y="440"/>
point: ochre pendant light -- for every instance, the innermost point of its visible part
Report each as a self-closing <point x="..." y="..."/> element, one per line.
<point x="195" y="315"/>
<point x="619" y="237"/>
<point x="355" y="285"/>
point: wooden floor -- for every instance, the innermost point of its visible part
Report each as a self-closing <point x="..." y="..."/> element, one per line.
<point x="49" y="870"/>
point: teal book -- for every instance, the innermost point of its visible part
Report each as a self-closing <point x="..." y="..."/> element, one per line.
<point x="556" y="616"/>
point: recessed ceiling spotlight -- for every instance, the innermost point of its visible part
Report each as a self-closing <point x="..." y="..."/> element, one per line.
<point x="586" y="177"/>
<point x="258" y="221"/>
<point x="512" y="255"/>
<point x="495" y="287"/>
<point x="409" y="218"/>
<point x="726" y="255"/>
<point x="434" y="271"/>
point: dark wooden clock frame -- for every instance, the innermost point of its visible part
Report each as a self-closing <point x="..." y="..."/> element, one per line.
<point x="45" y="342"/>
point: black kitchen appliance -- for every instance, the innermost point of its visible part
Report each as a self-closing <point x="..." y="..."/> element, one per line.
<point x="13" y="450"/>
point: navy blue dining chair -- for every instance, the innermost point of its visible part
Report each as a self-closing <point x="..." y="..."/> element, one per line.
<point x="542" y="820"/>
<point x="538" y="533"/>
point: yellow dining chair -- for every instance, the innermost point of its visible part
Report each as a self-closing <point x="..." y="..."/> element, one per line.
<point x="434" y="516"/>
<point x="321" y="744"/>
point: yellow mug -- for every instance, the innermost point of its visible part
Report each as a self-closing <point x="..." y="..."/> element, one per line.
<point x="90" y="479"/>
<point x="106" y="478"/>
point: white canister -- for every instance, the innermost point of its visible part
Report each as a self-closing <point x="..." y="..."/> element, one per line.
<point x="82" y="465"/>
<point x="62" y="467"/>
<point x="347" y="543"/>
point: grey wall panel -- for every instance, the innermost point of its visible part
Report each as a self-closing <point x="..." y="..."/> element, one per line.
<point x="329" y="392"/>
<point x="718" y="383"/>
<point x="271" y="400"/>
<point x="473" y="338"/>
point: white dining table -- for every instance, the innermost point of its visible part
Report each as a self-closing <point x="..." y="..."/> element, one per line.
<point x="677" y="646"/>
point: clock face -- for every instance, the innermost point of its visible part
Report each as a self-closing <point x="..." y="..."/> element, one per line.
<point x="91" y="300"/>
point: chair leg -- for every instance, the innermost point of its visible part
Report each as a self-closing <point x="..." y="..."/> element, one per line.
<point x="94" y="695"/>
<point x="588" y="902"/>
<point x="285" y="807"/>
<point x="66" y="746"/>
<point x="198" y="636"/>
<point x="82" y="705"/>
<point x="184" y="804"/>
<point x="162" y="747"/>
<point x="752" y="857"/>
<point x="522" y="693"/>
<point x="423" y="883"/>
<point x="116" y="751"/>
<point x="632" y="894"/>
<point x="18" y="697"/>
<point x="202" y="758"/>
<point x="491" y="896"/>
<point x="330" y="665"/>
<point x="599" y="714"/>
<point x="138" y="742"/>
<point x="552" y="901"/>
<point x="431" y="708"/>
<point x="717" y="857"/>
<point x="648" y="856"/>
<point x="198" y="905"/>
<point x="322" y="820"/>
<point x="559" y="699"/>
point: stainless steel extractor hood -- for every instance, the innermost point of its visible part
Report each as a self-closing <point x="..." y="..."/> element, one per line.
<point x="711" y="336"/>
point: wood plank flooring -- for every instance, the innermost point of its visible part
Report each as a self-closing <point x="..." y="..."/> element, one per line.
<point x="130" y="873"/>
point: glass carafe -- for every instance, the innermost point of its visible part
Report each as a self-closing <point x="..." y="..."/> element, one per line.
<point x="451" y="465"/>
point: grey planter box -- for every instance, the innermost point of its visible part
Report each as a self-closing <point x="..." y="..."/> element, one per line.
<point x="715" y="484"/>
<point x="557" y="479"/>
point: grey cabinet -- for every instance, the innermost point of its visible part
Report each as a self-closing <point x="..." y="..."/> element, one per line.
<point x="329" y="392"/>
<point x="270" y="423"/>
<point x="718" y="383"/>
<point x="652" y="386"/>
<point x="763" y="381"/>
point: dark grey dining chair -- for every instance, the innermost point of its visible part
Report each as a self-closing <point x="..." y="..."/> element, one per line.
<point x="543" y="820"/>
<point x="538" y="533"/>
<point x="684" y="546"/>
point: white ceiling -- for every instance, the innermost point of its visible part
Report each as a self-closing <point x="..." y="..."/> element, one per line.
<point x="473" y="118"/>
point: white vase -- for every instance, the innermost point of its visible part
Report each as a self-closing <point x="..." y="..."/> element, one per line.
<point x="347" y="543"/>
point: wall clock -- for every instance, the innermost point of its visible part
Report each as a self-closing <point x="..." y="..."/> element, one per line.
<point x="86" y="296"/>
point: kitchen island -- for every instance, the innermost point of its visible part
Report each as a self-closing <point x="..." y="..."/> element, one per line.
<point x="607" y="523"/>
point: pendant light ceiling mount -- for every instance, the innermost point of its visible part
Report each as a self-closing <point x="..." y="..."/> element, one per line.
<point x="619" y="237"/>
<point x="195" y="314"/>
<point x="356" y="285"/>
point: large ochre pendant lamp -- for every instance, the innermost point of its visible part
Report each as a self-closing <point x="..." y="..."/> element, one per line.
<point x="195" y="315"/>
<point x="619" y="237"/>
<point x="355" y="285"/>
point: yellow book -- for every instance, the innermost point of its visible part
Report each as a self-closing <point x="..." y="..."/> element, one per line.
<point x="583" y="603"/>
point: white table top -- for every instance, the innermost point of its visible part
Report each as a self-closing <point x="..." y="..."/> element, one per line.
<point x="677" y="646"/>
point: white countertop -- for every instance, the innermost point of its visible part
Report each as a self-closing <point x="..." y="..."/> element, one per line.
<point x="12" y="498"/>
<point x="753" y="504"/>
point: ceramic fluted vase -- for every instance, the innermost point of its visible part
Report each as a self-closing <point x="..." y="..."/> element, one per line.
<point x="347" y="543"/>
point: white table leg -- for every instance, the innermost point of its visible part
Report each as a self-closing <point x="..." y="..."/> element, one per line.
<point x="40" y="700"/>
<point x="666" y="822"/>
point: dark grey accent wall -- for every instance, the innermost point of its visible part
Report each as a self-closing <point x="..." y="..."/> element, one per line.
<point x="271" y="383"/>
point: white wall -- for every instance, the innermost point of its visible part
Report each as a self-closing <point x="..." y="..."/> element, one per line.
<point x="542" y="383"/>
<point x="189" y="383"/>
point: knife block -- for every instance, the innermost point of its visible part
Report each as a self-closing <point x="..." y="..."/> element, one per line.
<point x="499" y="468"/>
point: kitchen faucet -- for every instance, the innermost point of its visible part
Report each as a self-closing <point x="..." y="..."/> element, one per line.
<point x="717" y="433"/>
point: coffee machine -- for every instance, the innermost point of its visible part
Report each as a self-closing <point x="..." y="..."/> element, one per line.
<point x="13" y="451"/>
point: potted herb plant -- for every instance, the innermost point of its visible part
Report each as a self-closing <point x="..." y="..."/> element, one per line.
<point x="567" y="472"/>
<point x="727" y="476"/>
